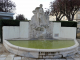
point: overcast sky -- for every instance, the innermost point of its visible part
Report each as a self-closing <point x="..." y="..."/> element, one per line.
<point x="26" y="7"/>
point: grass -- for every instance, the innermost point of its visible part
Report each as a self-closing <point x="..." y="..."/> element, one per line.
<point x="43" y="44"/>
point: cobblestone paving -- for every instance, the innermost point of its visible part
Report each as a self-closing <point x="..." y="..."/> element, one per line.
<point x="5" y="55"/>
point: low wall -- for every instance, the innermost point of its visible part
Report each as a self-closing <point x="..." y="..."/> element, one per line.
<point x="22" y="31"/>
<point x="56" y="29"/>
<point x="10" y="32"/>
<point x="68" y="32"/>
<point x="63" y="32"/>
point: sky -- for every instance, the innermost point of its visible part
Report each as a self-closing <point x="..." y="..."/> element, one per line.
<point x="26" y="7"/>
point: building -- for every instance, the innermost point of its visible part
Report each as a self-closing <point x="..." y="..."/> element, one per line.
<point x="6" y="15"/>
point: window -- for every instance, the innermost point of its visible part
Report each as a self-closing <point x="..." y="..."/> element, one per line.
<point x="78" y="16"/>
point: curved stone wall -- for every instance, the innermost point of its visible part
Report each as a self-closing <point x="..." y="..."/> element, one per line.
<point x="41" y="53"/>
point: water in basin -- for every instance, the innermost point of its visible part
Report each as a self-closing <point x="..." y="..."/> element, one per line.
<point x="43" y="44"/>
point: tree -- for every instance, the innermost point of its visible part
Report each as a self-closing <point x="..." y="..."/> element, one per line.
<point x="20" y="17"/>
<point x="56" y="10"/>
<point x="26" y="19"/>
<point x="66" y="8"/>
<point x="7" y="6"/>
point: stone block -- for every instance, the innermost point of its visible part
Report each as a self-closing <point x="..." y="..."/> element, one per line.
<point x="64" y="55"/>
<point x="62" y="59"/>
<point x="56" y="56"/>
<point x="12" y="50"/>
<point x="78" y="52"/>
<point x="17" y="58"/>
<point x="40" y="56"/>
<point x="3" y="58"/>
<point x="40" y="59"/>
<point x="50" y="56"/>
<point x="44" y="57"/>
<point x="47" y="59"/>
<point x="28" y="53"/>
<point x="23" y="53"/>
<point x="9" y="57"/>
<point x="42" y="53"/>
<point x="24" y="29"/>
<point x="70" y="59"/>
<point x="76" y="58"/>
<point x="31" y="59"/>
<point x="56" y="59"/>
<point x="33" y="54"/>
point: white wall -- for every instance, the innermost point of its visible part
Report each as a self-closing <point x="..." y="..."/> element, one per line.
<point x="68" y="32"/>
<point x="24" y="29"/>
<point x="10" y="32"/>
<point x="63" y="32"/>
<point x="56" y="29"/>
<point x="21" y="31"/>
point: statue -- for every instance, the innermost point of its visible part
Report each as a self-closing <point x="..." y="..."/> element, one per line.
<point x="39" y="24"/>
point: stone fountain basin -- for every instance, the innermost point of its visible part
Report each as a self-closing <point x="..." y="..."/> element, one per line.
<point x="42" y="53"/>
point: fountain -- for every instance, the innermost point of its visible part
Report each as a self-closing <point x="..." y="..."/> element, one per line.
<point x="39" y="25"/>
<point x="40" y="29"/>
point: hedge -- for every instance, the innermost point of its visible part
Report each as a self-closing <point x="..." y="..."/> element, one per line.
<point x="67" y="23"/>
<point x="7" y="23"/>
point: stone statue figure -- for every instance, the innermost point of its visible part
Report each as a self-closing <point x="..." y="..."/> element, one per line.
<point x="39" y="24"/>
<point x="40" y="14"/>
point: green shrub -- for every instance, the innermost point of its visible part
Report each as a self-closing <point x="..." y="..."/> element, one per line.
<point x="67" y="23"/>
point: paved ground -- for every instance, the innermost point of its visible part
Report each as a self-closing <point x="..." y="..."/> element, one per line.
<point x="5" y="55"/>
